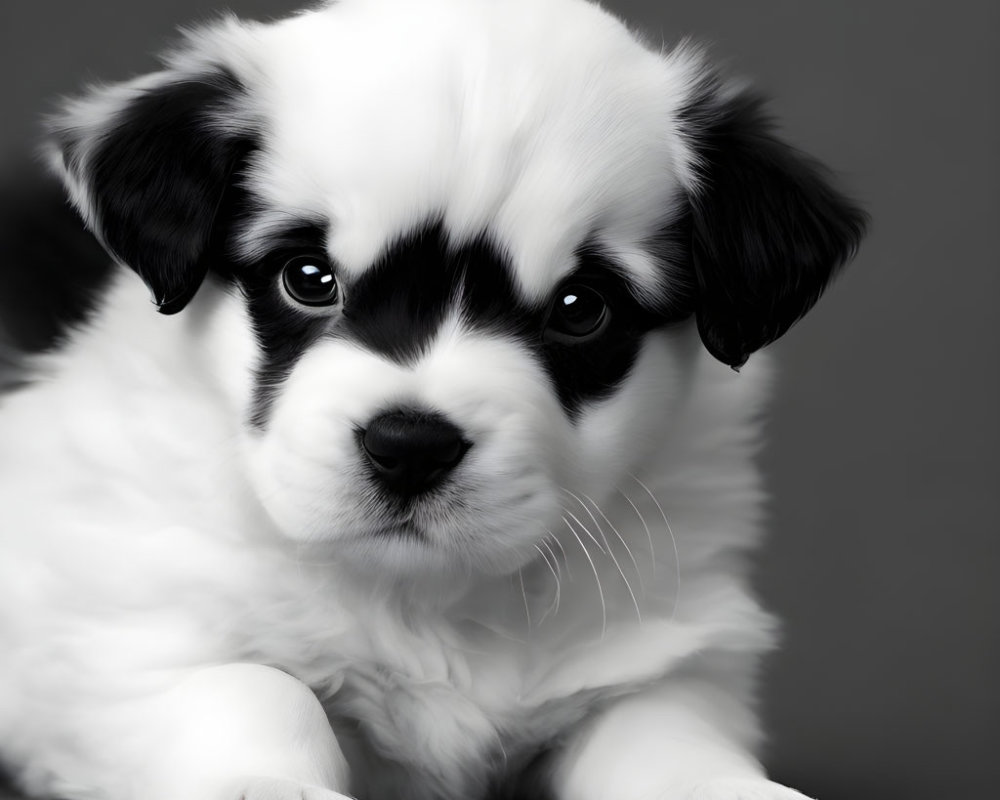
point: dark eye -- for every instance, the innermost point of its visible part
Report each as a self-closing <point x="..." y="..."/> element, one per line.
<point x="309" y="280"/>
<point x="578" y="313"/>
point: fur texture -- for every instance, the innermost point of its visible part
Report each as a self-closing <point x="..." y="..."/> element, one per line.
<point x="439" y="484"/>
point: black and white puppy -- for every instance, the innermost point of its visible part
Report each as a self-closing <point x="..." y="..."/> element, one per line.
<point x="441" y="484"/>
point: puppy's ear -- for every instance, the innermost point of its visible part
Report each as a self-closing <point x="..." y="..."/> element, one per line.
<point x="768" y="229"/>
<point x="147" y="164"/>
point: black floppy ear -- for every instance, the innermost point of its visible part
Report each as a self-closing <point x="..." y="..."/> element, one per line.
<point x="768" y="229"/>
<point x="147" y="164"/>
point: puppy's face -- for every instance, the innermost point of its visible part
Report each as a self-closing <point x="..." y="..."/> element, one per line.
<point x="426" y="407"/>
<point x="473" y="244"/>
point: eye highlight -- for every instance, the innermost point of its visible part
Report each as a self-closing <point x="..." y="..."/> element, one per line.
<point x="309" y="281"/>
<point x="577" y="314"/>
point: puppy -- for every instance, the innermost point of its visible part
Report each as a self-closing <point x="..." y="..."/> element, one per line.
<point x="434" y="476"/>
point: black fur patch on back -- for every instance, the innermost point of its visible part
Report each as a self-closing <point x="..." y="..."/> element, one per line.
<point x="768" y="229"/>
<point x="397" y="306"/>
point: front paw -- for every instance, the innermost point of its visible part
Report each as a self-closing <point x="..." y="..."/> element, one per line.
<point x="277" y="789"/>
<point x="742" y="789"/>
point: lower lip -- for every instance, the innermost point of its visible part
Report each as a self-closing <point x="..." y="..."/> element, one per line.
<point x="399" y="532"/>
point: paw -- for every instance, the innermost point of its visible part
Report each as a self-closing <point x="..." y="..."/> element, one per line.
<point x="743" y="789"/>
<point x="278" y="789"/>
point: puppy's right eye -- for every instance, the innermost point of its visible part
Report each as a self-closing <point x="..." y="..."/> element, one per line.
<point x="309" y="280"/>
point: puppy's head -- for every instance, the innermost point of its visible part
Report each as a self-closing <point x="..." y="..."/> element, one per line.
<point x="473" y="243"/>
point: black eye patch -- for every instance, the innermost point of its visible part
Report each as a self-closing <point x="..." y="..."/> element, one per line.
<point x="283" y="333"/>
<point x="594" y="328"/>
<point x="586" y="334"/>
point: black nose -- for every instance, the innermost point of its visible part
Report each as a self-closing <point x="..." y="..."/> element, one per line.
<point x="412" y="451"/>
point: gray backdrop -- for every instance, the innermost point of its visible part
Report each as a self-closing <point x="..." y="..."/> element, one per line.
<point x="883" y="454"/>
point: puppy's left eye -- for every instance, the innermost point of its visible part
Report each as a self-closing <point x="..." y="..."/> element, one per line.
<point x="577" y="314"/>
<point x="309" y="280"/>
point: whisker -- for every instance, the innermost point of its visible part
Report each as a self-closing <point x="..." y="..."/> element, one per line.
<point x="600" y="590"/>
<point x="562" y="550"/>
<point x="554" y="607"/>
<point x="673" y="541"/>
<point x="611" y="551"/>
<point x="524" y="594"/>
<point x="547" y="542"/>
<point x="555" y="559"/>
<point x="649" y="535"/>
<point x="631" y="555"/>
<point x="586" y="530"/>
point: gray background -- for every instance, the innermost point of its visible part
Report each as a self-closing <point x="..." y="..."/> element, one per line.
<point x="883" y="454"/>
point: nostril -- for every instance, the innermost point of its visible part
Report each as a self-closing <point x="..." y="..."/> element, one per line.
<point x="450" y="452"/>
<point x="412" y="451"/>
<point x="384" y="462"/>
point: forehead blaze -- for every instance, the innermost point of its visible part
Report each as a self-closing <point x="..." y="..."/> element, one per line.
<point x="540" y="124"/>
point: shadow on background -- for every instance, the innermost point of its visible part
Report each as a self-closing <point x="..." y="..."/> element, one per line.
<point x="883" y="440"/>
<point x="39" y="231"/>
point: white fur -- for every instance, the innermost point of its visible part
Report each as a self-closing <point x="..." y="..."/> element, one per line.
<point x="585" y="585"/>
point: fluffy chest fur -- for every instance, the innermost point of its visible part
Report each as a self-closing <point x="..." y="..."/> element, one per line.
<point x="141" y="569"/>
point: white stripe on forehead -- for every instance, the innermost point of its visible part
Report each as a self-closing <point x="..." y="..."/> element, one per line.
<point x="543" y="123"/>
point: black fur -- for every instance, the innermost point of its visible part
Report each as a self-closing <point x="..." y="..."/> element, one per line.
<point x="592" y="370"/>
<point x="398" y="304"/>
<point x="282" y="333"/>
<point x="157" y="177"/>
<point x="768" y="230"/>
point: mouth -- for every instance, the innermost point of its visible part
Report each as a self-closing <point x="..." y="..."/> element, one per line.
<point x="403" y="531"/>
